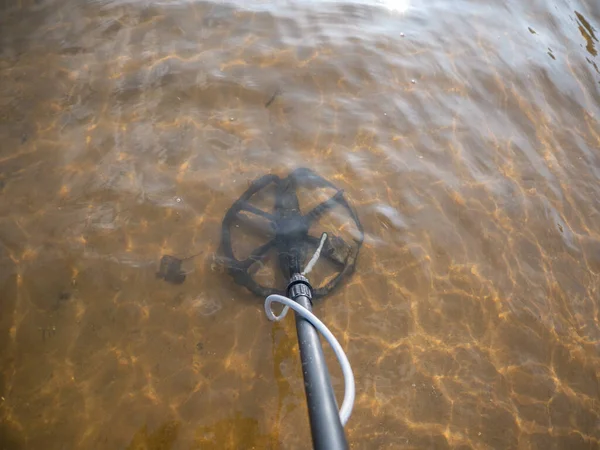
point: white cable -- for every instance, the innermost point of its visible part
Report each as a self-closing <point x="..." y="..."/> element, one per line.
<point x="315" y="257"/>
<point x="349" y="389"/>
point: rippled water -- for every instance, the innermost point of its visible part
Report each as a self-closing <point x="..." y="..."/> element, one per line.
<point x="465" y="134"/>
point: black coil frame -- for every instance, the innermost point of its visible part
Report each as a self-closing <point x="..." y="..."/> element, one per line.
<point x="290" y="232"/>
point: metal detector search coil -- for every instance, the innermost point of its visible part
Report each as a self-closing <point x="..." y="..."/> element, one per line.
<point x="288" y="232"/>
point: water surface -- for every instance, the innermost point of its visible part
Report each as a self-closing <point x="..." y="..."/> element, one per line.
<point x="465" y="134"/>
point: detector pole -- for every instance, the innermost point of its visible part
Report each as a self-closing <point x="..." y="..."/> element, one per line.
<point x="325" y="425"/>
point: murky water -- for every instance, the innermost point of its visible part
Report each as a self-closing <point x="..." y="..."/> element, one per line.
<point x="465" y="134"/>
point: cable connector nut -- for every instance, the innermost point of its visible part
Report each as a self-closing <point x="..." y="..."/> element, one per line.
<point x="299" y="286"/>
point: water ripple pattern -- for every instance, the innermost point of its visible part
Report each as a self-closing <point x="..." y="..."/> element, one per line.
<point x="465" y="133"/>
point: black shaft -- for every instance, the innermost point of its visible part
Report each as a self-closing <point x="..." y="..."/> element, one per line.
<point x="326" y="428"/>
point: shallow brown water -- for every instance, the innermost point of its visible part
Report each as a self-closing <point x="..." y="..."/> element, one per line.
<point x="466" y="135"/>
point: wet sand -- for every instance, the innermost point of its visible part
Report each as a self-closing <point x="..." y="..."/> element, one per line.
<point x="466" y="136"/>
